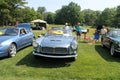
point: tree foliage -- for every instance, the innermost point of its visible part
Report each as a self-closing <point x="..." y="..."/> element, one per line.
<point x="50" y="17"/>
<point x="41" y="10"/>
<point x="70" y="13"/>
<point x="107" y="17"/>
<point x="15" y="10"/>
<point x="90" y="16"/>
<point x="8" y="10"/>
<point x="117" y="17"/>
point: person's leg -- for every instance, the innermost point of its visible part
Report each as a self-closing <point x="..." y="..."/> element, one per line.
<point x="79" y="35"/>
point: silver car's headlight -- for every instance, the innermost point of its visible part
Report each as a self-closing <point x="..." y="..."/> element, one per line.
<point x="35" y="44"/>
<point x="74" y="46"/>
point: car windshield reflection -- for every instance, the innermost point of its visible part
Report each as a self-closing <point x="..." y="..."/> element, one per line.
<point x="9" y="32"/>
<point x="59" y="33"/>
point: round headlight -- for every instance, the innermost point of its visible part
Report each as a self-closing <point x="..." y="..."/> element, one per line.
<point x="35" y="44"/>
<point x="74" y="46"/>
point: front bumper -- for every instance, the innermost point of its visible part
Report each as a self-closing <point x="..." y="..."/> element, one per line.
<point x="55" y="56"/>
<point x="3" y="52"/>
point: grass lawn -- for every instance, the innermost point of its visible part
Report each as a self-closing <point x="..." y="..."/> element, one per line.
<point x="93" y="63"/>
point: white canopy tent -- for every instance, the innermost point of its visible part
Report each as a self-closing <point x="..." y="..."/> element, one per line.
<point x="38" y="21"/>
<point x="40" y="24"/>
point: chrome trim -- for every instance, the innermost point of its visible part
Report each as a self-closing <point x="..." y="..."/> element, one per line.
<point x="117" y="50"/>
<point x="68" y="56"/>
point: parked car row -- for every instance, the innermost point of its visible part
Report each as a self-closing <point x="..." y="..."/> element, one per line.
<point x="57" y="42"/>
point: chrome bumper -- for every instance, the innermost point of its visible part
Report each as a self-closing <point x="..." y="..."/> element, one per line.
<point x="50" y="56"/>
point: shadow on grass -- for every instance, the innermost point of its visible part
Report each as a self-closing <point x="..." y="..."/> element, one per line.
<point x="30" y="60"/>
<point x="104" y="53"/>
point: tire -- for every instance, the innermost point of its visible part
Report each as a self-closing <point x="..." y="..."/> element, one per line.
<point x="12" y="50"/>
<point x="112" y="50"/>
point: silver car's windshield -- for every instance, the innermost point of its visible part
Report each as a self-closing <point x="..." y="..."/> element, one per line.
<point x="59" y="33"/>
<point x="9" y="31"/>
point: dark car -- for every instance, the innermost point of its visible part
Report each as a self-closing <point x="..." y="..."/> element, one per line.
<point x="112" y="40"/>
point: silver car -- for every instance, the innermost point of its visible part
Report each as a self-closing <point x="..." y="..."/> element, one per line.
<point x="56" y="43"/>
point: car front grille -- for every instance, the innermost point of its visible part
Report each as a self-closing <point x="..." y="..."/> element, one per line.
<point x="54" y="50"/>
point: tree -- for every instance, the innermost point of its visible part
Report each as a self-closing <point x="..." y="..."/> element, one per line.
<point x="28" y="14"/>
<point x="107" y="17"/>
<point x="41" y="10"/>
<point x="90" y="16"/>
<point x="70" y="14"/>
<point x="8" y="10"/>
<point x="50" y="17"/>
<point x="117" y="17"/>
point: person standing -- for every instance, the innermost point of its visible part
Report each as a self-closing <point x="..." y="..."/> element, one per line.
<point x="66" y="27"/>
<point x="103" y="32"/>
<point x="78" y="31"/>
<point x="96" y="36"/>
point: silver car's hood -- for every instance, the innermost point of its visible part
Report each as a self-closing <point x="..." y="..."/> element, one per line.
<point x="56" y="41"/>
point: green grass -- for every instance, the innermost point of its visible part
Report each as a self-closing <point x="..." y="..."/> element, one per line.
<point x="93" y="63"/>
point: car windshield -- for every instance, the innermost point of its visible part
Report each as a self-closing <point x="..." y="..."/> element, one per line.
<point x="61" y="32"/>
<point x="9" y="31"/>
<point x="115" y="33"/>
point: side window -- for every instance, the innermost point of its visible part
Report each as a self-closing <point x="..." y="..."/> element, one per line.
<point x="22" y="31"/>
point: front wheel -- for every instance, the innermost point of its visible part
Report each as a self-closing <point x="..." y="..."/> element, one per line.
<point x="12" y="50"/>
<point x="112" y="50"/>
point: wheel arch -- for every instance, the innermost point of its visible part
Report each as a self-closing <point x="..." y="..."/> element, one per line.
<point x="14" y="43"/>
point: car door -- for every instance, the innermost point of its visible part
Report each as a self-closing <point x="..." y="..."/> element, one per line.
<point x="23" y="39"/>
<point x="29" y="37"/>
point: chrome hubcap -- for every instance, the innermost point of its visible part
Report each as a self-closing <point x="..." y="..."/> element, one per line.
<point x="112" y="50"/>
<point x="12" y="50"/>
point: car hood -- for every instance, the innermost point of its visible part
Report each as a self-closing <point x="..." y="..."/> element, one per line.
<point x="117" y="38"/>
<point x="56" y="41"/>
<point x="4" y="38"/>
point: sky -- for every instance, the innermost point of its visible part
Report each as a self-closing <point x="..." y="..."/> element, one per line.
<point x="53" y="5"/>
